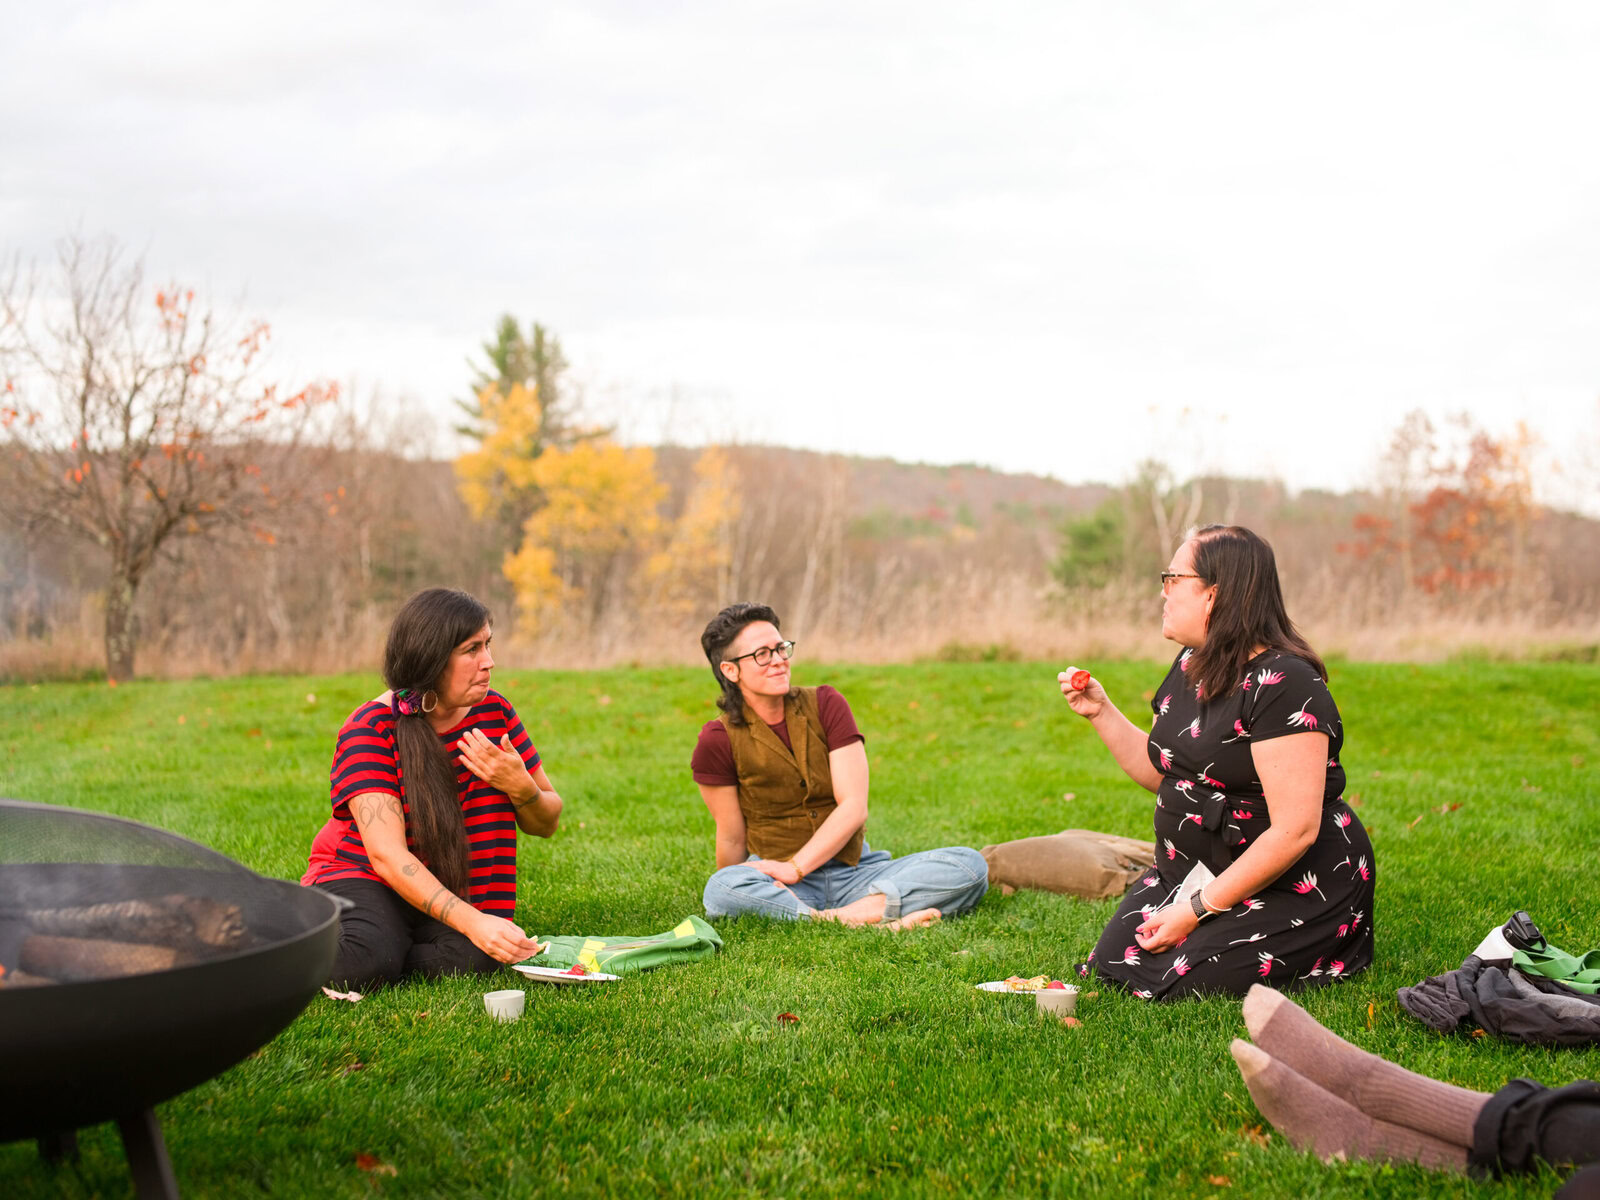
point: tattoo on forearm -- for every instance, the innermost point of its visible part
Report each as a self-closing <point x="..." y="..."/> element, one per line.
<point x="445" y="911"/>
<point x="437" y="892"/>
<point x="410" y="869"/>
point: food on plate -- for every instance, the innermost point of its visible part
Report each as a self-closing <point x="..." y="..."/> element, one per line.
<point x="1079" y="680"/>
<point x="1039" y="983"/>
<point x="576" y="969"/>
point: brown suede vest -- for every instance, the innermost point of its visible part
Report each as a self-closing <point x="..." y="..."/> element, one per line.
<point x="785" y="794"/>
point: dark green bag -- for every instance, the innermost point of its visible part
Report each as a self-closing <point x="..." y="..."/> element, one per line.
<point x="688" y="941"/>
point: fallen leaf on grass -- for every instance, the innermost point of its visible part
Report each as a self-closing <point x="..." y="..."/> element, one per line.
<point x="1219" y="1181"/>
<point x="1090" y="995"/>
<point x="252" y="733"/>
<point x="1529" y="787"/>
<point x="311" y="697"/>
<point x="1418" y="817"/>
<point x="1255" y="1134"/>
<point x="1577" y="760"/>
<point x="1069" y="796"/>
<point x="1478" y="1033"/>
<point x="788" y="1019"/>
<point x="352" y="1068"/>
<point x="353" y="997"/>
<point x="1447" y="808"/>
<point x="1372" y="1007"/>
<point x="1071" y="1022"/>
<point x="602" y="701"/>
<point x="1354" y="801"/>
<point x="374" y="1165"/>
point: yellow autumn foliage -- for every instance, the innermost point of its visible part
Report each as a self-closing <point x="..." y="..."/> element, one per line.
<point x="502" y="466"/>
<point x="698" y="556"/>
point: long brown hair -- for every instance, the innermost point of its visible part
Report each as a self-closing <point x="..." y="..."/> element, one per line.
<point x="421" y="639"/>
<point x="1248" y="611"/>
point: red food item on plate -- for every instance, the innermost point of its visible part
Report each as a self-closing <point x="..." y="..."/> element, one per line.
<point x="1055" y="985"/>
<point x="1079" y="680"/>
<point x="576" y="969"/>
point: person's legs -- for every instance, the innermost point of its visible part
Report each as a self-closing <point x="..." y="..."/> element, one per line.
<point x="437" y="950"/>
<point x="1526" y="1122"/>
<point x="374" y="934"/>
<point x="1314" y="1119"/>
<point x="1374" y="1085"/>
<point x="741" y="888"/>
<point x="952" y="880"/>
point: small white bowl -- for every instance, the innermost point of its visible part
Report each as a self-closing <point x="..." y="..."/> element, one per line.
<point x="505" y="1006"/>
<point x="1057" y="1002"/>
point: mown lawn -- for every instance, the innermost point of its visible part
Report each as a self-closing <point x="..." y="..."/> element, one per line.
<point x="897" y="1077"/>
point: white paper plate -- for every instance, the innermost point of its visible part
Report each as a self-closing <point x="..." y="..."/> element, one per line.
<point x="999" y="985"/>
<point x="555" y="975"/>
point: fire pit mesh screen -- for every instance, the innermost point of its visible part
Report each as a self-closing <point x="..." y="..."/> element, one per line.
<point x="84" y="896"/>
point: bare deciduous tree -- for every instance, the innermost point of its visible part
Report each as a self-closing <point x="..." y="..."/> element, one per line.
<point x="134" y="417"/>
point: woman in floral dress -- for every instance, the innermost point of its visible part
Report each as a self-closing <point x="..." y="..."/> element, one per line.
<point x="1243" y="756"/>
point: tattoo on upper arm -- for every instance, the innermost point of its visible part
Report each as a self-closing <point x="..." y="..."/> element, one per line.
<point x="373" y="810"/>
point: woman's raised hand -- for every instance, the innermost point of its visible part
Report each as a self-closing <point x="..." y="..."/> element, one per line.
<point x="498" y="765"/>
<point x="1083" y="692"/>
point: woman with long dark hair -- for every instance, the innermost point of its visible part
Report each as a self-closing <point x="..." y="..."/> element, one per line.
<point x="430" y="783"/>
<point x="1263" y="873"/>
<point x="783" y="772"/>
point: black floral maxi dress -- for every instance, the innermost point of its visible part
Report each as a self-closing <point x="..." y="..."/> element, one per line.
<point x="1311" y="925"/>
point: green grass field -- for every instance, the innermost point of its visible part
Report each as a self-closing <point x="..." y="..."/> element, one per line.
<point x="898" y="1077"/>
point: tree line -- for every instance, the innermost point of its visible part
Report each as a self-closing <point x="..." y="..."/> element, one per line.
<point x="160" y="487"/>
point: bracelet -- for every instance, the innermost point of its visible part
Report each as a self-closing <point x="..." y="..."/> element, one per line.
<point x="1213" y="911"/>
<point x="797" y="869"/>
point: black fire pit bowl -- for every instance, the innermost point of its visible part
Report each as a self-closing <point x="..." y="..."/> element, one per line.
<point x="77" y="1054"/>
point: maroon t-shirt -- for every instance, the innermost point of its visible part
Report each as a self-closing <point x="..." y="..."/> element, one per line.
<point x="712" y="761"/>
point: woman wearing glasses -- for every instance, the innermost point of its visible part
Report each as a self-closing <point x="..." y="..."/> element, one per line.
<point x="1243" y="755"/>
<point x="784" y="773"/>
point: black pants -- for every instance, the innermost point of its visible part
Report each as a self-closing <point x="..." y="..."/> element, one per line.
<point x="1525" y="1122"/>
<point x="382" y="939"/>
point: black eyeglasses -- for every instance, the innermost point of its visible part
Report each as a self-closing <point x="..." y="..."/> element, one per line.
<point x="762" y="655"/>
<point x="1167" y="578"/>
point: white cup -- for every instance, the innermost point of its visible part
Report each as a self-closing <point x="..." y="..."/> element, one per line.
<point x="1057" y="1002"/>
<point x="505" y="1006"/>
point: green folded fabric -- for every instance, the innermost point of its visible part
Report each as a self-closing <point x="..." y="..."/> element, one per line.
<point x="688" y="941"/>
<point x="1579" y="974"/>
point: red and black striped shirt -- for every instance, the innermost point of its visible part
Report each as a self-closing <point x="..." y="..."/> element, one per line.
<point x="365" y="760"/>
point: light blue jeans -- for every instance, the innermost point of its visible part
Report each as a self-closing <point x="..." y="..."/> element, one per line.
<point x="952" y="880"/>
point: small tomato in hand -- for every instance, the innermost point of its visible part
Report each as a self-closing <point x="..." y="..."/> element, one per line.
<point x="1079" y="680"/>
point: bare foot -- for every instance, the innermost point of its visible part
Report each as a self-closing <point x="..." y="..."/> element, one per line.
<point x="866" y="911"/>
<point x="915" y="920"/>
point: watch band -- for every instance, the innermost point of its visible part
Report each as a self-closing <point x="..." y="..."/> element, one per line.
<point x="1198" y="903"/>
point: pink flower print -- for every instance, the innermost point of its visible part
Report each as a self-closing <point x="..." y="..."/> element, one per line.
<point x="1172" y="851"/>
<point x="1361" y="867"/>
<point x="1131" y="956"/>
<point x="1183" y="660"/>
<point x="1179" y="964"/>
<point x="1083" y="968"/>
<point x="1250" y="904"/>
<point x="1345" y="863"/>
<point x="1195" y="817"/>
<point x="1165" y="756"/>
<point x="1242" y="814"/>
<point x="1336" y="968"/>
<point x="1150" y="880"/>
<point x="1316" y="969"/>
<point x="1343" y="929"/>
<point x="1302" y="718"/>
<point x="1295" y="922"/>
<point x="1267" y="677"/>
<point x="1332" y="763"/>
<point x="1308" y="883"/>
<point x="1254" y="937"/>
<point x="1199" y="691"/>
<point x="1206" y="778"/>
<point x="1090" y="959"/>
<point x="1184" y="788"/>
<point x="1266" y="963"/>
<point x="1342" y="820"/>
<point x="1166" y="703"/>
<point x="1355" y="919"/>
<point x="1194" y="728"/>
<point x="1142" y="993"/>
<point x="1143" y="914"/>
<point x="1247" y="684"/>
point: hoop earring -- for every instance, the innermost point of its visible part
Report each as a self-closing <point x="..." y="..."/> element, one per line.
<point x="426" y="707"/>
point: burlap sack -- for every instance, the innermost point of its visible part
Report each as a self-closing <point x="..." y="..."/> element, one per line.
<point x="1077" y="862"/>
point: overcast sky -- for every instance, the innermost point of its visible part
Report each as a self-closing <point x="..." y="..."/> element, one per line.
<point x="1055" y="237"/>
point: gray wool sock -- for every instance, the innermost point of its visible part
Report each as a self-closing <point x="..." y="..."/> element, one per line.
<point x="1374" y="1085"/>
<point x="1314" y="1119"/>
